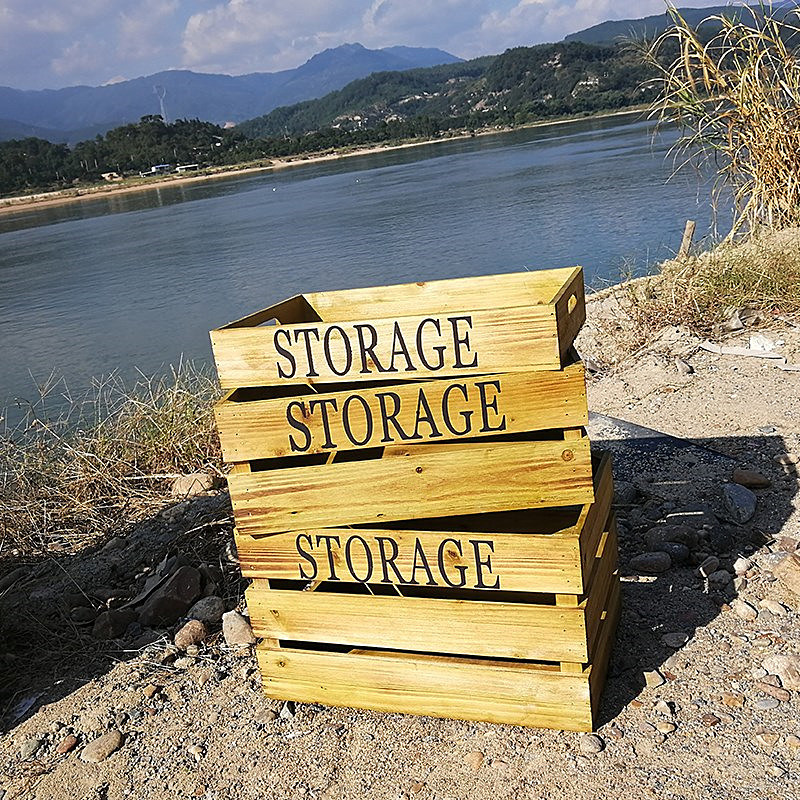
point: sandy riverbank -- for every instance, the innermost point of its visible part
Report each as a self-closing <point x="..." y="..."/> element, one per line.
<point x="10" y="205"/>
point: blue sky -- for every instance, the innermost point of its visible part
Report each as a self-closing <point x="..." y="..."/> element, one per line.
<point x="55" y="43"/>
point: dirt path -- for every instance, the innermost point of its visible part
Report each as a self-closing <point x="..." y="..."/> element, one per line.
<point x="713" y="722"/>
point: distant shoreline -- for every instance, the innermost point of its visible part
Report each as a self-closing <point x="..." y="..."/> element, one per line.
<point x="11" y="205"/>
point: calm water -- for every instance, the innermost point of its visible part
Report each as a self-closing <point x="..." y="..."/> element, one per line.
<point x="138" y="280"/>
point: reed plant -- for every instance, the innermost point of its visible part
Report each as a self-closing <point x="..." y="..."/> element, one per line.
<point x="732" y="86"/>
<point x="75" y="469"/>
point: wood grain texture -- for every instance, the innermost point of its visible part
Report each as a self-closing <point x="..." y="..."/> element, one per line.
<point x="539" y="550"/>
<point x="459" y="480"/>
<point x="456" y="688"/>
<point x="522" y="629"/>
<point x="519" y="402"/>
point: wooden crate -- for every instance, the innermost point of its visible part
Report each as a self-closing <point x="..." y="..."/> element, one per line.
<point x="550" y="550"/>
<point x="519" y="659"/>
<point x="469" y="326"/>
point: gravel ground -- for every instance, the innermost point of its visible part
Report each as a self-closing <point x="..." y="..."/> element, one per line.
<point x="697" y="704"/>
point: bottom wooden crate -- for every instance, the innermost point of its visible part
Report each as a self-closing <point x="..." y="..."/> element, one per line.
<point x="515" y="692"/>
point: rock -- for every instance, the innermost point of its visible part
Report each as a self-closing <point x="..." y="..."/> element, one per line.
<point x="192" y="485"/>
<point x="267" y="716"/>
<point x="171" y="599"/>
<point x="150" y="691"/>
<point x="183" y="663"/>
<point x="787" y="544"/>
<point x="192" y="633"/>
<point x="287" y="710"/>
<point x="774" y="607"/>
<point x="7" y="581"/>
<point x="647" y="728"/>
<point x="767" y="738"/>
<point x="663" y="707"/>
<point x="653" y="679"/>
<point x="651" y="563"/>
<point x="101" y="748"/>
<point x="788" y="572"/>
<point x="751" y="479"/>
<point x="781" y="695"/>
<point x="720" y="578"/>
<point x="113" y="623"/>
<point x="474" y="760"/>
<point x="793" y="742"/>
<point x="675" y="640"/>
<point x="787" y="668"/>
<point x="625" y="493"/>
<point x="665" y="727"/>
<point x="789" y="462"/>
<point x="766" y="703"/>
<point x="711" y="564"/>
<point x="67" y="744"/>
<point x="744" y="610"/>
<point x="616" y="733"/>
<point x="710" y="720"/>
<point x="115" y="543"/>
<point x="683" y="367"/>
<point x="196" y="751"/>
<point x="681" y="534"/>
<point x="679" y="553"/>
<point x="758" y="672"/>
<point x="732" y="700"/>
<point x="739" y="502"/>
<point x="742" y="565"/>
<point x="236" y="630"/>
<point x="28" y="748"/>
<point x="739" y="584"/>
<point x="208" y="609"/>
<point x="83" y="615"/>
<point x="591" y="743"/>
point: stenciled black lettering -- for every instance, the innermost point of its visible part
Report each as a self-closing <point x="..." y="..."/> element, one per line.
<point x="390" y="417"/>
<point x="348" y="557"/>
<point x="323" y="404"/>
<point x="446" y="416"/>
<point x="451" y="554"/>
<point x="368" y="350"/>
<point x="487" y="405"/>
<point x="298" y="425"/>
<point x="421" y="350"/>
<point x="348" y="350"/>
<point x="399" y="348"/>
<point x="287" y="354"/>
<point x="331" y="561"/>
<point x="347" y="422"/>
<point x="306" y="334"/>
<point x="387" y="561"/>
<point x="307" y="556"/>
<point x="462" y="340"/>
<point x="480" y="563"/>
<point x="421" y="562"/>
<point x="425" y="415"/>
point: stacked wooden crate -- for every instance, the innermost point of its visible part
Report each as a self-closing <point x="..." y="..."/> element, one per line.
<point x="416" y="501"/>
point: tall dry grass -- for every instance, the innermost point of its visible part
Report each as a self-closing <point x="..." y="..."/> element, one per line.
<point x="103" y="460"/>
<point x="735" y="96"/>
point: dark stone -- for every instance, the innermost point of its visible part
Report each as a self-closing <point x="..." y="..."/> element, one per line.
<point x="113" y="623"/>
<point x="740" y="502"/>
<point x="680" y="534"/>
<point x="679" y="553"/>
<point x="172" y="599"/>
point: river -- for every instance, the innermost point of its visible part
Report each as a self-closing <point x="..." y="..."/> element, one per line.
<point x="137" y="280"/>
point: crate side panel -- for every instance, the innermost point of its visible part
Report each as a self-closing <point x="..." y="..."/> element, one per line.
<point x="456" y="481"/>
<point x="425" y="685"/>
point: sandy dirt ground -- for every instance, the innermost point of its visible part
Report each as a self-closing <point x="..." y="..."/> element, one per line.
<point x="696" y="705"/>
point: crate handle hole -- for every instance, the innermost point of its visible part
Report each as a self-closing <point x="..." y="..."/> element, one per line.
<point x="571" y="303"/>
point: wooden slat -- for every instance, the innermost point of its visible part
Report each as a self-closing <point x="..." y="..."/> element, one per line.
<point x="461" y="480"/>
<point x="608" y="629"/>
<point x="570" y="304"/>
<point x="460" y="408"/>
<point x="457" y="688"/>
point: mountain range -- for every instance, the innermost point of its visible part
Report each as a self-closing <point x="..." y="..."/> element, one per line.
<point x="80" y="112"/>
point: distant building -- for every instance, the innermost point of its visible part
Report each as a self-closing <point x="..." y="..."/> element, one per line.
<point x="157" y="169"/>
<point x="187" y="167"/>
<point x="111" y="176"/>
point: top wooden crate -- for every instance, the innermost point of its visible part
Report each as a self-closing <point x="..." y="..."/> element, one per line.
<point x="516" y="322"/>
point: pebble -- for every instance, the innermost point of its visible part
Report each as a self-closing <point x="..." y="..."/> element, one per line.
<point x="66" y="744"/>
<point x="675" y="640"/>
<point x="236" y="630"/>
<point x="665" y="727"/>
<point x="474" y="760"/>
<point x="683" y="367"/>
<point x="287" y="711"/>
<point x="751" y="479"/>
<point x="266" y="716"/>
<point x="663" y="707"/>
<point x="150" y="690"/>
<point x="732" y="700"/>
<point x="183" y="663"/>
<point x="788" y="571"/>
<point x="787" y="668"/>
<point x="615" y="732"/>
<point x="196" y="751"/>
<point x="679" y="553"/>
<point x="779" y="694"/>
<point x="744" y="610"/>
<point x="766" y="703"/>
<point x="739" y="584"/>
<point x="710" y="720"/>
<point x="651" y="563"/>
<point x="711" y="564"/>
<point x="192" y="633"/>
<point x="192" y="485"/>
<point x="172" y="599"/>
<point x="646" y="727"/>
<point x="653" y="679"/>
<point x="739" y="502"/>
<point x="28" y="748"/>
<point x="767" y="738"/>
<point x="101" y="748"/>
<point x="208" y="609"/>
<point x="776" y="771"/>
<point x="591" y="743"/>
<point x="741" y="565"/>
<point x="758" y="673"/>
<point x="793" y="742"/>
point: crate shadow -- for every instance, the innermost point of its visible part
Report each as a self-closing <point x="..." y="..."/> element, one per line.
<point x="675" y="476"/>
